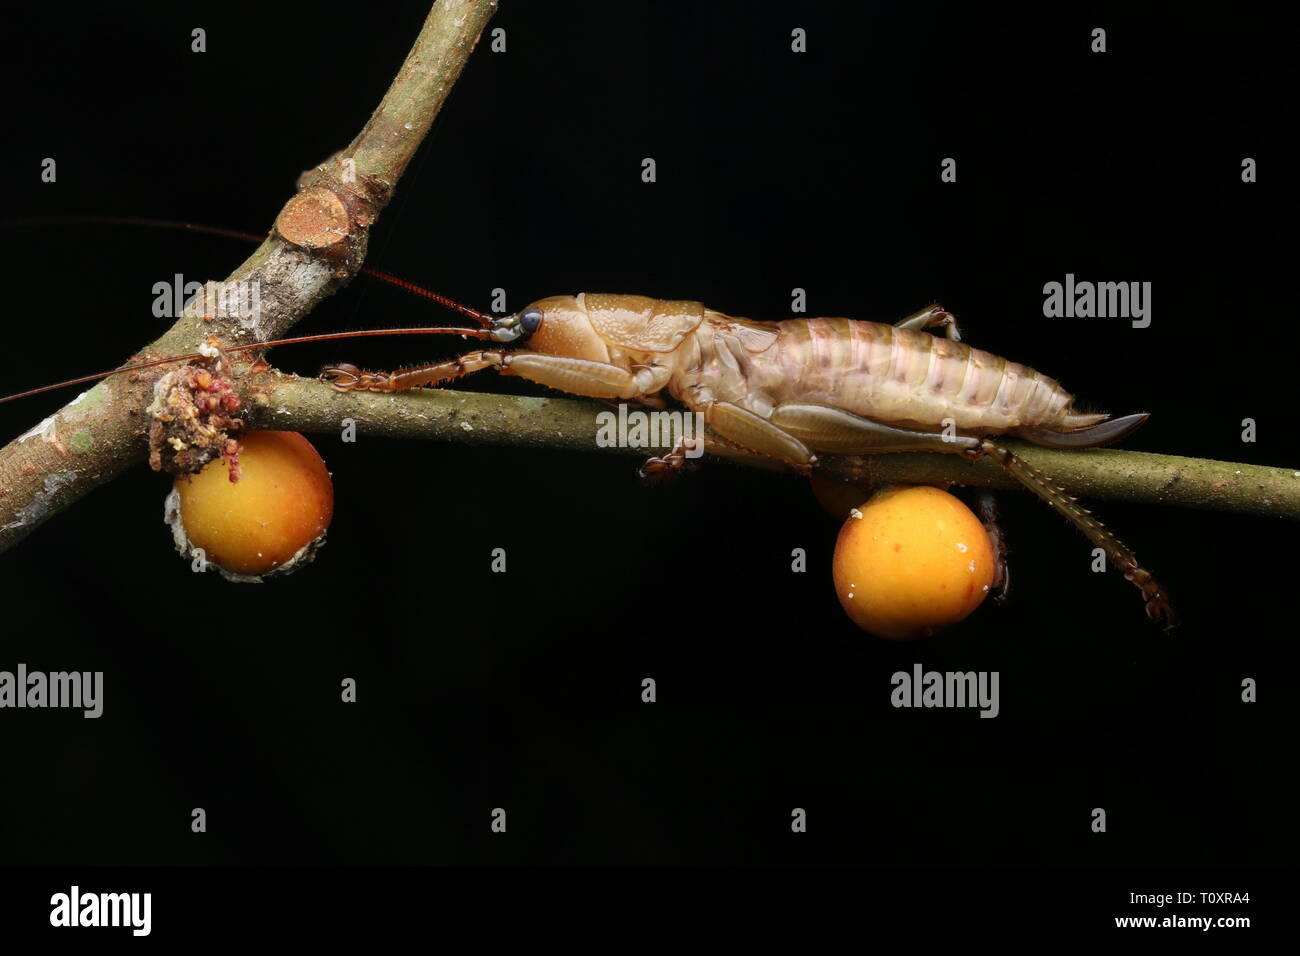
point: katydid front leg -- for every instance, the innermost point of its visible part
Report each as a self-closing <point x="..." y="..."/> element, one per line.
<point x="349" y="378"/>
<point x="572" y="375"/>
<point x="576" y="376"/>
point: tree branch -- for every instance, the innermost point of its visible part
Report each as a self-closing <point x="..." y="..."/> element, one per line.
<point x="318" y="244"/>
<point x="558" y="423"/>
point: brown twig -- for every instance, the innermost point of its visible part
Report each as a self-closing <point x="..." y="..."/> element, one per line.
<point x="560" y="423"/>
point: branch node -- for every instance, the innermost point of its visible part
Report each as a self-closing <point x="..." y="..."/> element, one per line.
<point x="316" y="219"/>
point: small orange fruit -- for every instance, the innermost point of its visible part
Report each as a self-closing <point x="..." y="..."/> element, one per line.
<point x="268" y="520"/>
<point x="910" y="562"/>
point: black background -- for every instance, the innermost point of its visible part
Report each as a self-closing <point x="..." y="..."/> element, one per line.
<point x="522" y="690"/>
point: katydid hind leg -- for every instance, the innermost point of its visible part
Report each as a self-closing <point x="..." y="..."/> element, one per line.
<point x="1155" y="597"/>
<point x="825" y="428"/>
<point x="834" y="430"/>
<point x="741" y="428"/>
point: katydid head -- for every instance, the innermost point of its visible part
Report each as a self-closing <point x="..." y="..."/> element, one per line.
<point x="512" y="328"/>
<point x="556" y="325"/>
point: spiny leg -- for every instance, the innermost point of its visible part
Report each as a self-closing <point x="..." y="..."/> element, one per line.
<point x="931" y="317"/>
<point x="573" y="375"/>
<point x="348" y="378"/>
<point x="1157" y="600"/>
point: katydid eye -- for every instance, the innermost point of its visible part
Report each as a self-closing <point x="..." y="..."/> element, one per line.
<point x="531" y="319"/>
